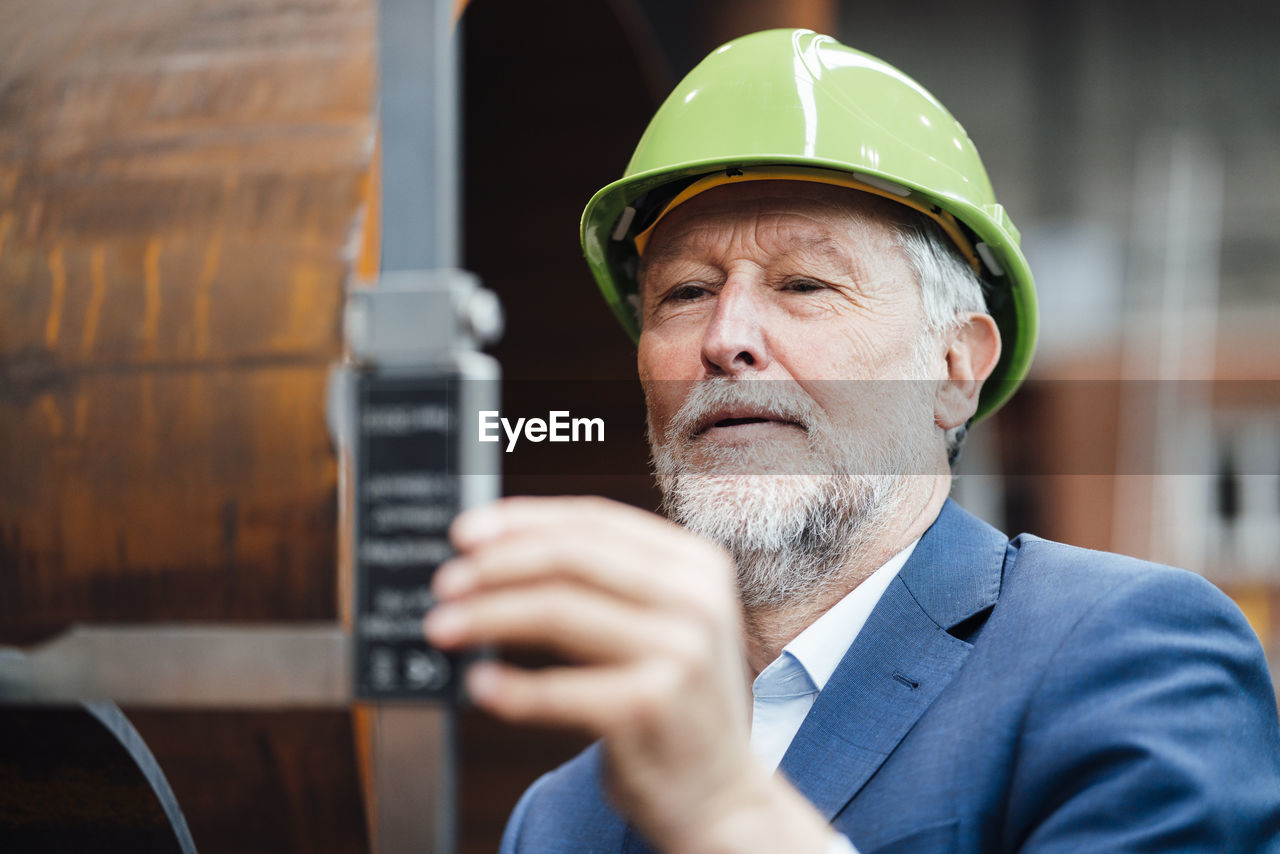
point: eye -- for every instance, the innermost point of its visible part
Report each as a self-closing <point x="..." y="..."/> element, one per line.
<point x="686" y="293"/>
<point x="803" y="286"/>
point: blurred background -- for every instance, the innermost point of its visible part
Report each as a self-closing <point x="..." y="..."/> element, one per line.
<point x="187" y="186"/>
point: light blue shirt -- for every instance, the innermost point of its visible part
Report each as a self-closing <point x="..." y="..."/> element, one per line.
<point x="784" y="691"/>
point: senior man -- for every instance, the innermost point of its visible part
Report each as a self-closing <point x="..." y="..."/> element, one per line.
<point x="825" y="294"/>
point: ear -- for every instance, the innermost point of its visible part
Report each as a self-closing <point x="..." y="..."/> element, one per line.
<point x="972" y="353"/>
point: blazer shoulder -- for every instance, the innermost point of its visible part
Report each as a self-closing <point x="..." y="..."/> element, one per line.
<point x="1153" y="704"/>
<point x="1116" y="608"/>
<point x="1083" y="582"/>
<point x="565" y="811"/>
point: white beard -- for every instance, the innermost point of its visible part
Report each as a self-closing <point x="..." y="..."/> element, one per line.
<point x="791" y="520"/>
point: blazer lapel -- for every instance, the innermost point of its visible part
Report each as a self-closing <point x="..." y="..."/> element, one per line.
<point x="900" y="661"/>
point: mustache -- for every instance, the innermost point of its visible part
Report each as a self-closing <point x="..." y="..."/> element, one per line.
<point x="774" y="399"/>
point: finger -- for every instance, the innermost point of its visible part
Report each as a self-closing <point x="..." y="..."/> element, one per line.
<point x="576" y="512"/>
<point x="638" y="575"/>
<point x="595" y="699"/>
<point x="574" y="621"/>
<point x="672" y="561"/>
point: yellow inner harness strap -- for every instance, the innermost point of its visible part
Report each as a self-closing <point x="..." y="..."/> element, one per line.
<point x="818" y="176"/>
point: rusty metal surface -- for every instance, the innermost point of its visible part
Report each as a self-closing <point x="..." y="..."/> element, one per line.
<point x="182" y="183"/>
<point x="179" y="186"/>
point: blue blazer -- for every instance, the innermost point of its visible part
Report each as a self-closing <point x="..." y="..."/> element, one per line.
<point x="1014" y="696"/>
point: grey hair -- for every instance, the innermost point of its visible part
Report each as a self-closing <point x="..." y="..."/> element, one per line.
<point x="949" y="289"/>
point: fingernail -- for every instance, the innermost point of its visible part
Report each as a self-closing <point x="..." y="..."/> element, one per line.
<point x="484" y="680"/>
<point x="476" y="526"/>
<point x="453" y="579"/>
<point x="444" y="623"/>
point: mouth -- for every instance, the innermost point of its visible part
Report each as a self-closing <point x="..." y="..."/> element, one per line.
<point x="743" y="423"/>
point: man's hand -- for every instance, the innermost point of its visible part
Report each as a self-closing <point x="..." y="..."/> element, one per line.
<point x="648" y="617"/>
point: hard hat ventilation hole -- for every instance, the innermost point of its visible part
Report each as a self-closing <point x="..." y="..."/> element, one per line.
<point x="887" y="186"/>
<point x="624" y="222"/>
<point x="989" y="258"/>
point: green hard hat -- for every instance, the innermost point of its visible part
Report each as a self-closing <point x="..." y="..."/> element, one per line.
<point x="790" y="102"/>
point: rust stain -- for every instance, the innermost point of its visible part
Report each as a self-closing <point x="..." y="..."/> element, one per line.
<point x="6" y="221"/>
<point x="97" y="293"/>
<point x="147" y="416"/>
<point x="304" y="286"/>
<point x="364" y="730"/>
<point x="368" y="260"/>
<point x="204" y="282"/>
<point x="82" y="415"/>
<point x="151" y="309"/>
<point x="51" y="413"/>
<point x="34" y="215"/>
<point x="58" y="274"/>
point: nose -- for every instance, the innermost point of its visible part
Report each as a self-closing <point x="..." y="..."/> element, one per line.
<point x="734" y="341"/>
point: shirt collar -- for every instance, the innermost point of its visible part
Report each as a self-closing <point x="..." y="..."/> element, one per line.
<point x="820" y="647"/>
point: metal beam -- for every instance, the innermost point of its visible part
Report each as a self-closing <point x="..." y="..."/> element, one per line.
<point x="204" y="666"/>
<point x="418" y="115"/>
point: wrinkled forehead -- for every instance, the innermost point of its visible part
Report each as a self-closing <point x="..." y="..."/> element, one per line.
<point x="776" y="216"/>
